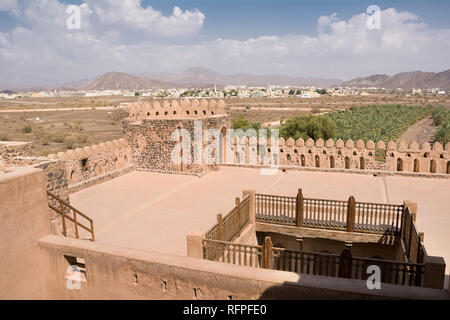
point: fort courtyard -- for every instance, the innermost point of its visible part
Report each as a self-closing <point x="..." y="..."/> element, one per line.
<point x="154" y="211"/>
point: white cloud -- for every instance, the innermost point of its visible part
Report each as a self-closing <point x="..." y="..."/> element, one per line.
<point x="124" y="36"/>
<point x="8" y="5"/>
<point x="129" y="14"/>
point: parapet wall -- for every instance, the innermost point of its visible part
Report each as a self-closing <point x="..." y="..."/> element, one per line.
<point x="151" y="128"/>
<point x="10" y="150"/>
<point x="117" y="273"/>
<point x="88" y="163"/>
<point x="54" y="171"/>
<point x="183" y="108"/>
<point x="398" y="157"/>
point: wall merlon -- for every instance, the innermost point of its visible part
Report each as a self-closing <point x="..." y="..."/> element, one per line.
<point x="183" y="108"/>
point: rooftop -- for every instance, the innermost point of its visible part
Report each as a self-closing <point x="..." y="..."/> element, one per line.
<point x="153" y="211"/>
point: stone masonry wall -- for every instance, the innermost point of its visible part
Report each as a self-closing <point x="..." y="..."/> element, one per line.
<point x="94" y="161"/>
<point x="54" y="171"/>
<point x="10" y="150"/>
<point x="397" y="157"/>
<point x="176" y="109"/>
<point x="152" y="145"/>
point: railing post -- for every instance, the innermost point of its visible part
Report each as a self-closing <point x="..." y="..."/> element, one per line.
<point x="351" y="208"/>
<point x="220" y="222"/>
<point x="268" y="253"/>
<point x="434" y="276"/>
<point x="299" y="209"/>
<point x="92" y="231"/>
<point x="345" y="264"/>
<point x="252" y="205"/>
<point x="238" y="205"/>
<point x="77" y="236"/>
<point x="63" y="214"/>
<point x="412" y="208"/>
<point x="195" y="245"/>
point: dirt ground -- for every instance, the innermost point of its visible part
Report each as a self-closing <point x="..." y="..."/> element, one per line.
<point x="63" y="102"/>
<point x="49" y="133"/>
<point x="422" y="131"/>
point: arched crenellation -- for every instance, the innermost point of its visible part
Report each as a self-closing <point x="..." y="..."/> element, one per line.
<point x="347" y="162"/>
<point x="399" y="164"/>
<point x="90" y="162"/>
<point x="332" y="162"/>
<point x="416" y="165"/>
<point x="433" y="166"/>
<point x="372" y="157"/>
<point x="183" y="108"/>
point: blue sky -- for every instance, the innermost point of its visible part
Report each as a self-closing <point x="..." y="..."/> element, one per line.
<point x="257" y="36"/>
<point x="241" y="19"/>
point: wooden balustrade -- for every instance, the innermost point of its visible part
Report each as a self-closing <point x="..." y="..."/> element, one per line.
<point x="412" y="241"/>
<point x="377" y="218"/>
<point x="234" y="253"/>
<point x="325" y="214"/>
<point x="394" y="272"/>
<point x="314" y="263"/>
<point x="351" y="216"/>
<point x="230" y="227"/>
<point x="71" y="214"/>
<point x="276" y="209"/>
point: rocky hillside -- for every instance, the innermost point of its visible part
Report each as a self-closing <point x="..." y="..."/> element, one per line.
<point x="404" y="80"/>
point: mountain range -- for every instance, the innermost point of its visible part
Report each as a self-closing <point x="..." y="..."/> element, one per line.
<point x="203" y="76"/>
<point x="199" y="77"/>
<point x="404" y="80"/>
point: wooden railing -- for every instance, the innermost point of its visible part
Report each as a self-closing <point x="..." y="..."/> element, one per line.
<point x="394" y="272"/>
<point x="377" y="218"/>
<point x="71" y="214"/>
<point x="234" y="253"/>
<point x="348" y="215"/>
<point x="276" y="209"/>
<point x="230" y="227"/>
<point x="321" y="264"/>
<point x="321" y="213"/>
<point x="411" y="240"/>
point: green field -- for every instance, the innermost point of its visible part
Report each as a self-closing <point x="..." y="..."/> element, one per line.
<point x="377" y="122"/>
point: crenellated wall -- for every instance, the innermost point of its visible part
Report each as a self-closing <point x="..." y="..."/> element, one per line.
<point x="183" y="108"/>
<point x="10" y="150"/>
<point x="85" y="164"/>
<point x="151" y="126"/>
<point x="398" y="157"/>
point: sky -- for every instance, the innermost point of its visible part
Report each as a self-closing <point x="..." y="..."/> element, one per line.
<point x="321" y="38"/>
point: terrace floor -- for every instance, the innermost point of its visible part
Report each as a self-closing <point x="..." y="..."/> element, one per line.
<point x="153" y="211"/>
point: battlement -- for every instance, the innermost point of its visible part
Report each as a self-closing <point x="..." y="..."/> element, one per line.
<point x="176" y="109"/>
<point x="93" y="164"/>
<point x="397" y="157"/>
<point x="89" y="151"/>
